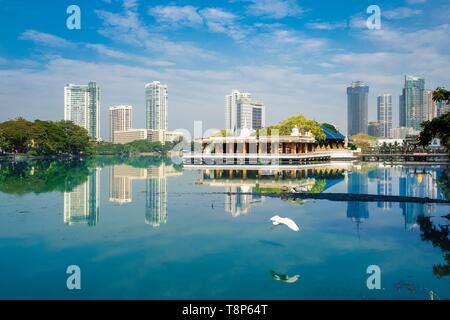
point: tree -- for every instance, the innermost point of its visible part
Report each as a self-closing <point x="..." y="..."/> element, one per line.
<point x="304" y="124"/>
<point x="43" y="137"/>
<point x="440" y="126"/>
<point x="330" y="126"/>
<point x="17" y="135"/>
<point x="441" y="94"/>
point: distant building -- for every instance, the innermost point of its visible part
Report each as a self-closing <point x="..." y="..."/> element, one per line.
<point x="412" y="103"/>
<point x="375" y="128"/>
<point x="357" y="108"/>
<point x="401" y="110"/>
<point x="156" y="101"/>
<point x="403" y="132"/>
<point x="82" y="107"/>
<point x="442" y="107"/>
<point x="156" y="135"/>
<point x="430" y="110"/>
<point x="130" y="135"/>
<point x="120" y="119"/>
<point x="242" y="111"/>
<point x="384" y="114"/>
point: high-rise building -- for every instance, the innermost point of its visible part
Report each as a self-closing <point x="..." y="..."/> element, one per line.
<point x="384" y="114"/>
<point x="241" y="111"/>
<point x="401" y="110"/>
<point x="374" y="129"/>
<point x="120" y="119"/>
<point x="429" y="108"/>
<point x="412" y="103"/>
<point x="357" y="108"/>
<point x="156" y="96"/>
<point x="82" y="107"/>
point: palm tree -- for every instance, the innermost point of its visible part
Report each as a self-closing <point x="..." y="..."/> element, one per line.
<point x="441" y="94"/>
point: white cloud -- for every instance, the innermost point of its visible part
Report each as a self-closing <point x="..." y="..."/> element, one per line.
<point x="127" y="28"/>
<point x="176" y="16"/>
<point x="400" y="13"/>
<point x="104" y="51"/>
<point x="221" y="21"/>
<point x="275" y="9"/>
<point x="326" y="25"/>
<point x="45" y="39"/>
<point x="416" y="1"/>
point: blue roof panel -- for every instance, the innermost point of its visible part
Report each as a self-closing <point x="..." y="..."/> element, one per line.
<point x="331" y="135"/>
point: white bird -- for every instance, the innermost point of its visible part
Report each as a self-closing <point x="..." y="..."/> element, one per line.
<point x="277" y="220"/>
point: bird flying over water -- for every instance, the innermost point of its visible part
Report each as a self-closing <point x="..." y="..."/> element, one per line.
<point x="277" y="220"/>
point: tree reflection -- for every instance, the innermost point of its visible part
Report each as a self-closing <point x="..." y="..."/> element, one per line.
<point x="439" y="237"/>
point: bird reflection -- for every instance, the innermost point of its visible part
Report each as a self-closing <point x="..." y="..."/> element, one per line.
<point x="284" y="277"/>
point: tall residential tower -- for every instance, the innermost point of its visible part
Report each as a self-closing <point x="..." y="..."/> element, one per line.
<point x="82" y="107"/>
<point x="120" y="119"/>
<point x="242" y="111"/>
<point x="384" y="114"/>
<point x="156" y="95"/>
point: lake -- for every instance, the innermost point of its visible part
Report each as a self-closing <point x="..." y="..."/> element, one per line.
<point x="147" y="229"/>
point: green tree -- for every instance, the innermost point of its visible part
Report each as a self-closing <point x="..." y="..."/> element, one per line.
<point x="304" y="124"/>
<point x="440" y="126"/>
<point x="17" y="135"/>
<point x="330" y="126"/>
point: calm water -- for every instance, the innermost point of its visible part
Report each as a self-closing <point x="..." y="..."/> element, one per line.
<point x="143" y="229"/>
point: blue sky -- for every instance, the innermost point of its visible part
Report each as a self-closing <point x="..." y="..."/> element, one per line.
<point x="296" y="56"/>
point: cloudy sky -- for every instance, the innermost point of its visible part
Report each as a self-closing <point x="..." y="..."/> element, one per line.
<point x="296" y="56"/>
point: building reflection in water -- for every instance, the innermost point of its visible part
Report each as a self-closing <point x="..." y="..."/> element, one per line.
<point x="121" y="179"/>
<point x="82" y="204"/>
<point x="156" y="194"/>
<point x="418" y="182"/>
<point x="384" y="186"/>
<point x="244" y="187"/>
<point x="357" y="182"/>
<point x="121" y="182"/>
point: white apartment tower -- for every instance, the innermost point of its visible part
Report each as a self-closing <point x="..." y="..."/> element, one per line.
<point x="384" y="114"/>
<point x="156" y="95"/>
<point x="242" y="111"/>
<point x="120" y="119"/>
<point x="82" y="107"/>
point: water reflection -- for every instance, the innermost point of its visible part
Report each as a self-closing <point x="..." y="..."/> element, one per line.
<point x="120" y="182"/>
<point x="82" y="204"/>
<point x="156" y="194"/>
<point x="244" y="187"/>
<point x="121" y="179"/>
<point x="79" y="180"/>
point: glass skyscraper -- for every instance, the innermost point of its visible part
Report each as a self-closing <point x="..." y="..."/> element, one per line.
<point x="357" y="108"/>
<point x="412" y="103"/>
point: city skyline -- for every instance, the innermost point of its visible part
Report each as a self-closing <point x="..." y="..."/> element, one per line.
<point x="297" y="60"/>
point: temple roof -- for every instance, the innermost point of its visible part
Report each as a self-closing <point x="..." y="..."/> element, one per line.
<point x="331" y="135"/>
